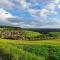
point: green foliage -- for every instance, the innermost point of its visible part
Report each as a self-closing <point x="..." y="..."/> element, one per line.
<point x="48" y="51"/>
<point x="31" y="34"/>
<point x="13" y="50"/>
<point x="16" y="33"/>
<point x="55" y="35"/>
<point x="9" y="51"/>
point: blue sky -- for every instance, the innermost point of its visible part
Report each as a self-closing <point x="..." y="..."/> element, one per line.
<point x="30" y="13"/>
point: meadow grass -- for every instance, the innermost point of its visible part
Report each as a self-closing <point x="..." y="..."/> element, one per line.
<point x="41" y="42"/>
<point x="29" y="50"/>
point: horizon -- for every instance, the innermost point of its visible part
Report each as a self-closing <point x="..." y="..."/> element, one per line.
<point x="2" y="26"/>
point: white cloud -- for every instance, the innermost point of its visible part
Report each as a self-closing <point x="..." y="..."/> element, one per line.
<point x="59" y="6"/>
<point x="55" y="1"/>
<point x="4" y="14"/>
<point x="42" y="14"/>
<point x="6" y="4"/>
<point x="23" y="3"/>
<point x="48" y="9"/>
<point x="39" y="15"/>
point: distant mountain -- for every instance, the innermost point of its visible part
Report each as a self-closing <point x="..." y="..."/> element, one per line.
<point x="44" y="30"/>
<point x="10" y="27"/>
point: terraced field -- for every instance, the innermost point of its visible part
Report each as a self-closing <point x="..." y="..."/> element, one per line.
<point x="29" y="50"/>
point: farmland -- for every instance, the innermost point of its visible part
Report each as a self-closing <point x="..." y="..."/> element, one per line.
<point x="29" y="50"/>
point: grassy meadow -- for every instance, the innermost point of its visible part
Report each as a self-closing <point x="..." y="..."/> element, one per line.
<point x="20" y="44"/>
<point x="29" y="50"/>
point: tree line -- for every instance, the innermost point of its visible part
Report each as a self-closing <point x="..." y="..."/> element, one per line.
<point x="20" y="34"/>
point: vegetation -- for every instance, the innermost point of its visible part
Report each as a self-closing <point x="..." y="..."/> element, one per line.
<point x="16" y="33"/>
<point x="28" y="45"/>
<point x="30" y="50"/>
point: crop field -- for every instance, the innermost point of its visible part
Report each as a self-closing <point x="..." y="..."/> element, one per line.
<point x="29" y="50"/>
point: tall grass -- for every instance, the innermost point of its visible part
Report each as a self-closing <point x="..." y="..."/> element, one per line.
<point x="10" y="51"/>
<point x="16" y="50"/>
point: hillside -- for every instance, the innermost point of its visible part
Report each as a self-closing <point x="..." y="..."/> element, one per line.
<point x="20" y="44"/>
<point x="44" y="30"/>
<point x="17" y="33"/>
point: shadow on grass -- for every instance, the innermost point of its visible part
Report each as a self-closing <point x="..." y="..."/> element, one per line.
<point x="5" y="56"/>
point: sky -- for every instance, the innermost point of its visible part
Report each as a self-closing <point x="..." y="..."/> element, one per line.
<point x="30" y="13"/>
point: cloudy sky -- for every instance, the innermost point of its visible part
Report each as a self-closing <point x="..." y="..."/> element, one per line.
<point x="30" y="13"/>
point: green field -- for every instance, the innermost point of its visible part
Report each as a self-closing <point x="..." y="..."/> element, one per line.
<point x="29" y="50"/>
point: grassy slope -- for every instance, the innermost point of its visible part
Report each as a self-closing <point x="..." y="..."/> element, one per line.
<point x="32" y="34"/>
<point x="17" y="50"/>
<point x="41" y="42"/>
<point x="10" y="51"/>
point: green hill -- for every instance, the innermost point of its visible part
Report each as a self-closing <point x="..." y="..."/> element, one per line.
<point x="17" y="33"/>
<point x="19" y="44"/>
